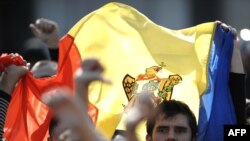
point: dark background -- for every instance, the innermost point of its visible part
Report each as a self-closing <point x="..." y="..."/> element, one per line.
<point x="15" y="15"/>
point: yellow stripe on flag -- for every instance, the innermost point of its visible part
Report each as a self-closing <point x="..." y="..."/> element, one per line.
<point x="127" y="42"/>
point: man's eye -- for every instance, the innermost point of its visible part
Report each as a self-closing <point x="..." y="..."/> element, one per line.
<point x="180" y="130"/>
<point x="162" y="130"/>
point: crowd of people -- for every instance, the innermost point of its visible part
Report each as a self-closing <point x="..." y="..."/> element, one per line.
<point x="169" y="120"/>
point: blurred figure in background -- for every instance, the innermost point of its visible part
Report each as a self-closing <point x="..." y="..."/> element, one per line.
<point x="74" y="122"/>
<point x="44" y="46"/>
<point x="35" y="50"/>
<point x="48" y="32"/>
<point x="42" y="50"/>
<point x="245" y="53"/>
<point x="8" y="81"/>
<point x="44" y="68"/>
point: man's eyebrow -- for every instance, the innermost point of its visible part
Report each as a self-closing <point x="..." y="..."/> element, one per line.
<point x="162" y="126"/>
<point x="181" y="127"/>
<point x="178" y="127"/>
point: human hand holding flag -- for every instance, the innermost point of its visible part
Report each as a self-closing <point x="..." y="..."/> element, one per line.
<point x="13" y="67"/>
<point x="228" y="28"/>
<point x="10" y="59"/>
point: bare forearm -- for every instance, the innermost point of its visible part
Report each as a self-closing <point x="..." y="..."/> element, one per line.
<point x="87" y="130"/>
<point x="81" y="91"/>
<point x="7" y="85"/>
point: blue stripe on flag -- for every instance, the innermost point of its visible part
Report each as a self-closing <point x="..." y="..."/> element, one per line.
<point x="216" y="107"/>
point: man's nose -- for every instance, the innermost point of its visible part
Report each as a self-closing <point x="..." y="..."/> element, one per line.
<point x="171" y="136"/>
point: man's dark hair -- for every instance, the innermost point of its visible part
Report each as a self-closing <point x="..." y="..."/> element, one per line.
<point x="170" y="109"/>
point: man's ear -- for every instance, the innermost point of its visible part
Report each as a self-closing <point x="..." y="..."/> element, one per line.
<point x="148" y="137"/>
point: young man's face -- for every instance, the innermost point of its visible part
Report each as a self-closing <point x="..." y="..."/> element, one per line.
<point x="174" y="128"/>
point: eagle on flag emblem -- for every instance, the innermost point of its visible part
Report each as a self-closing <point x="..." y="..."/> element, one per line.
<point x="158" y="88"/>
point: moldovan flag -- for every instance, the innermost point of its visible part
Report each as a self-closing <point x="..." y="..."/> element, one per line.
<point x="137" y="55"/>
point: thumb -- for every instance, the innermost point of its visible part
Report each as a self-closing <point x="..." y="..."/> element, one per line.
<point x="218" y="22"/>
<point x="35" y="30"/>
<point x="105" y="80"/>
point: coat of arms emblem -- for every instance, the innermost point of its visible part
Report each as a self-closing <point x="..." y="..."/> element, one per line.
<point x="158" y="88"/>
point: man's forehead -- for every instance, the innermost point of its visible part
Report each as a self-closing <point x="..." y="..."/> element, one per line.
<point x="176" y="120"/>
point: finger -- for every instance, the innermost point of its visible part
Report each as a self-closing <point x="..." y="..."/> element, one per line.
<point x="105" y="80"/>
<point x="27" y="65"/>
<point x="218" y="22"/>
<point x="11" y="54"/>
<point x="55" y="96"/>
<point x="94" y="76"/>
<point x="35" y="30"/>
<point x="225" y="27"/>
<point x="46" y="25"/>
<point x="145" y="100"/>
<point x="50" y="27"/>
<point x="17" y="54"/>
<point x="53" y="99"/>
<point x="92" y="64"/>
<point x="38" y="23"/>
<point x="19" y="70"/>
<point x="24" y="70"/>
<point x="43" y="26"/>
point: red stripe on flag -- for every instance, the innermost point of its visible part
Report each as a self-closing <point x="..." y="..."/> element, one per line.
<point x="27" y="117"/>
